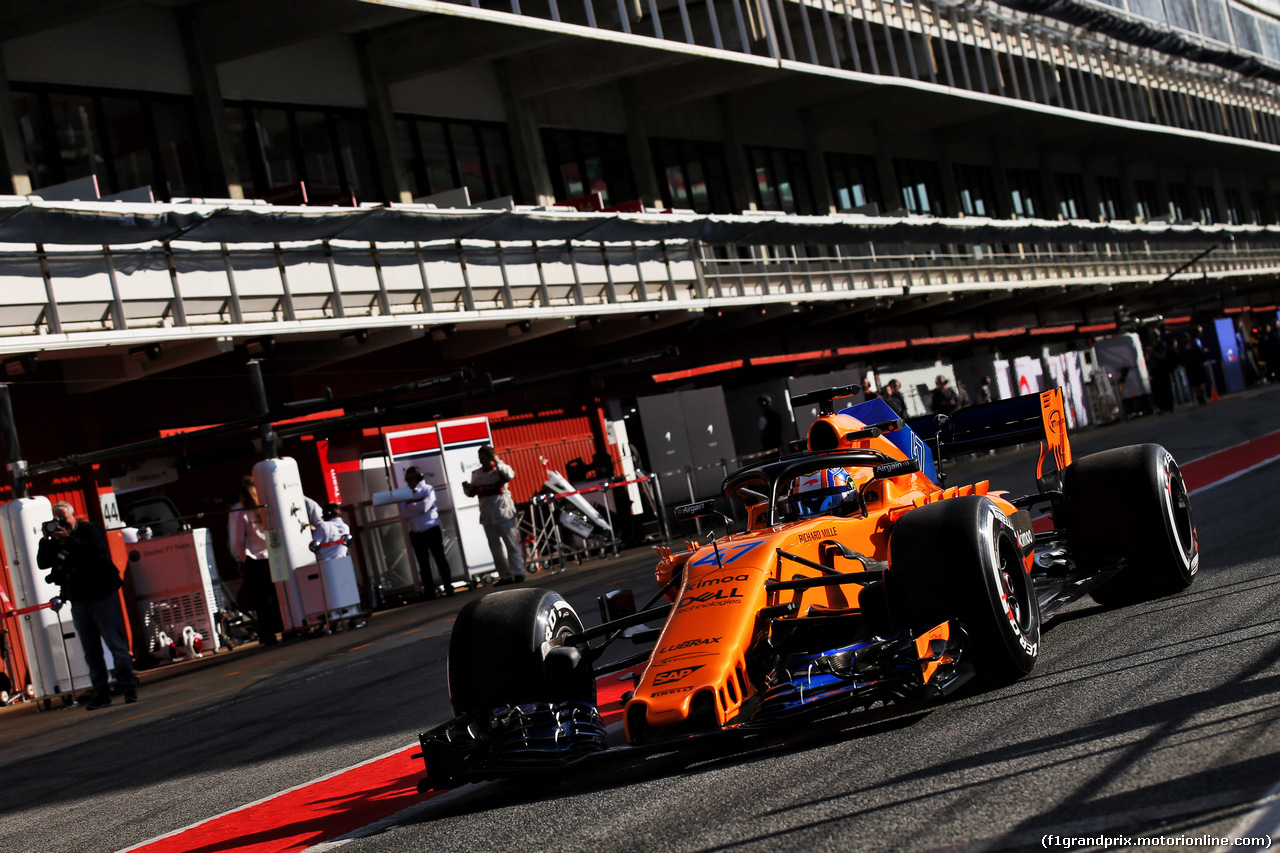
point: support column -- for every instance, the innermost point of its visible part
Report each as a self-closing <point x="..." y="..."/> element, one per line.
<point x="735" y="157"/>
<point x="213" y="136"/>
<point x="16" y="169"/>
<point x="382" y="126"/>
<point x="638" y="150"/>
<point x="526" y="143"/>
<point x="823" y="200"/>
<point x="890" y="192"/>
<point x="950" y="202"/>
<point x="1003" y="202"/>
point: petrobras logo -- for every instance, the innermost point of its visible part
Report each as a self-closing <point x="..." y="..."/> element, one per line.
<point x="672" y="675"/>
<point x="690" y="644"/>
<point x="673" y="690"/>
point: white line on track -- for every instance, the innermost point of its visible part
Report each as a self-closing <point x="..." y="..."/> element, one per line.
<point x="1262" y="822"/>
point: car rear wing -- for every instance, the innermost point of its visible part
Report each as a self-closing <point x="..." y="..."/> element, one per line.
<point x="1019" y="420"/>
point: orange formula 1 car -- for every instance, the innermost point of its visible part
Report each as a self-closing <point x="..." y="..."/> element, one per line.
<point x="859" y="580"/>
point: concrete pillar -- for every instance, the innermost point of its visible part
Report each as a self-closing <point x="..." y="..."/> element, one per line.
<point x="823" y="200"/>
<point x="16" y="169"/>
<point x="638" y="150"/>
<point x="382" y="126"/>
<point x="526" y="143"/>
<point x="735" y="157"/>
<point x="213" y="136"/>
<point x="950" y="201"/>
<point x="890" y="192"/>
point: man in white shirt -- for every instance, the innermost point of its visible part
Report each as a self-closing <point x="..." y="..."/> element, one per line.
<point x="423" y="517"/>
<point x="498" y="514"/>
<point x="329" y="538"/>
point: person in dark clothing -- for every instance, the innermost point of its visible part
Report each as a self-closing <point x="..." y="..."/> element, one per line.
<point x="893" y="396"/>
<point x="945" y="400"/>
<point x="770" y="425"/>
<point x="1192" y="355"/>
<point x="75" y="552"/>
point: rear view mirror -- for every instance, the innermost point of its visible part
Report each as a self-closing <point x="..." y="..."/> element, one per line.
<point x="702" y="509"/>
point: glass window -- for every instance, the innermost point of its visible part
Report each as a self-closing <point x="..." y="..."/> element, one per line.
<point x="79" y="148"/>
<point x="853" y="180"/>
<point x="1070" y="189"/>
<point x="470" y="159"/>
<point x="128" y="131"/>
<point x="1179" y="202"/>
<point x="276" y="143"/>
<point x="1205" y="206"/>
<point x="918" y="182"/>
<point x="34" y="130"/>
<point x="1144" y="193"/>
<point x="436" y="157"/>
<point x="175" y="143"/>
<point x="692" y="175"/>
<point x="976" y="189"/>
<point x="1025" y="193"/>
<point x="1109" y="204"/>
<point x="584" y="162"/>
<point x="781" y="179"/>
<point x="319" y="167"/>
<point x="244" y="146"/>
<point x="497" y="157"/>
<point x="355" y="159"/>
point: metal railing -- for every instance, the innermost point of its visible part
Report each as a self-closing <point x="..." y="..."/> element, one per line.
<point x="159" y="294"/>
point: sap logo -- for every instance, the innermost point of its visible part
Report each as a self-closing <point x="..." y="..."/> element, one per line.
<point x="726" y="556"/>
<point x="715" y="581"/>
<point x="674" y="675"/>
<point x="689" y="644"/>
<point x="710" y="595"/>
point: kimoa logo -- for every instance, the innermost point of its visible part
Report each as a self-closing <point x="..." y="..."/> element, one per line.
<point x="674" y="675"/>
<point x="716" y="581"/>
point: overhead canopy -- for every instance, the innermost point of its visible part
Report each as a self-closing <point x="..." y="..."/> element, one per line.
<point x="112" y="223"/>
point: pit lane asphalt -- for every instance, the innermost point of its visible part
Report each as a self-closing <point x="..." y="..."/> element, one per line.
<point x="1159" y="719"/>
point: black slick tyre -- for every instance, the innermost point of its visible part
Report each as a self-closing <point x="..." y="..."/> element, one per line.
<point x="960" y="559"/>
<point x="1128" y="508"/>
<point x="501" y="652"/>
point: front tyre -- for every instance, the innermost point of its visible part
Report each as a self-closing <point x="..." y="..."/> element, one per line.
<point x="1128" y="508"/>
<point x="960" y="559"/>
<point x="503" y="651"/>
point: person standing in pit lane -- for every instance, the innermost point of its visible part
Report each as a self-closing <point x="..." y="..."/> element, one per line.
<point x="498" y="514"/>
<point x="328" y="539"/>
<point x="75" y="552"/>
<point x="421" y="512"/>
<point x="247" y="540"/>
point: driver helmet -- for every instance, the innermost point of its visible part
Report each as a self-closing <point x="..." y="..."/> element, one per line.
<point x="823" y="491"/>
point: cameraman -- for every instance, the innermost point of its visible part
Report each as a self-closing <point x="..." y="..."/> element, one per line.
<point x="76" y="555"/>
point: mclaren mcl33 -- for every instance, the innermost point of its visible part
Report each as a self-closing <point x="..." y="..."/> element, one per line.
<point x="860" y="580"/>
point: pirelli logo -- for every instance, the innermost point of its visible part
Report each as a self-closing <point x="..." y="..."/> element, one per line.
<point x="673" y="675"/>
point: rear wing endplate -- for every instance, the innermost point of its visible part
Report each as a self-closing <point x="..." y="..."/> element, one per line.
<point x="1033" y="417"/>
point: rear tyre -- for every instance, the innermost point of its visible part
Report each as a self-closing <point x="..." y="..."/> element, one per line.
<point x="960" y="559"/>
<point x="1129" y="507"/>
<point x="500" y="653"/>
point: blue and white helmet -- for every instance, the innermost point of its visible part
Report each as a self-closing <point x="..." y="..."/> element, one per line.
<point x="823" y="491"/>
